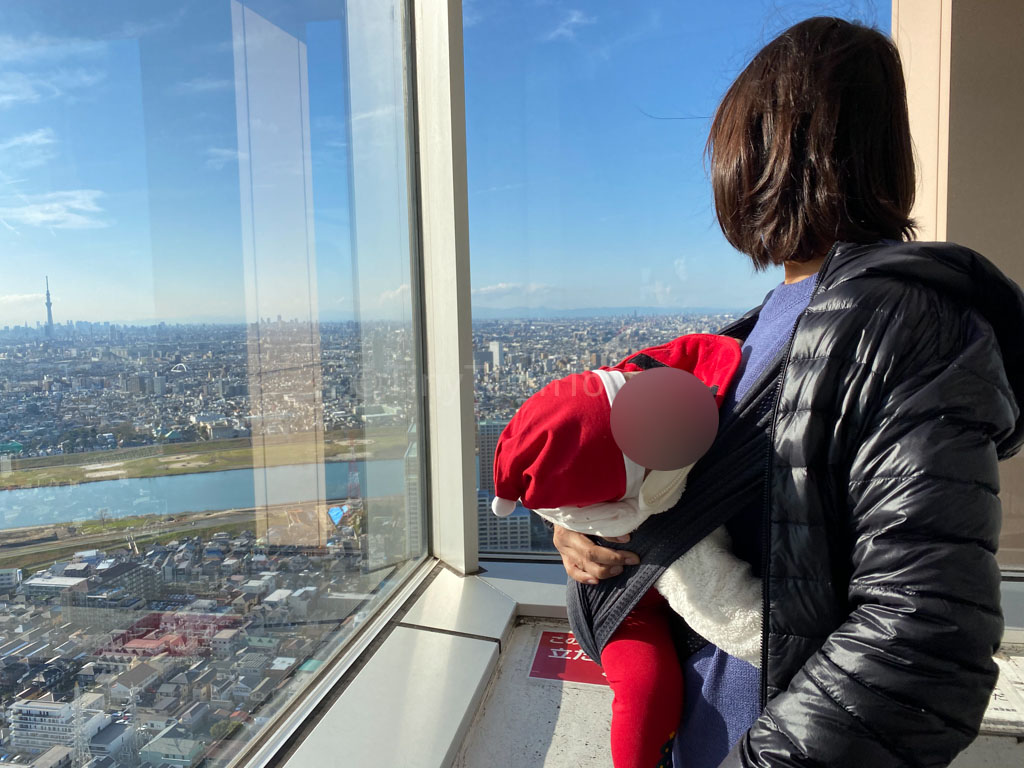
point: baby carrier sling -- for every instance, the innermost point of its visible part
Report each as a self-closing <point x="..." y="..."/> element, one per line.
<point x="720" y="484"/>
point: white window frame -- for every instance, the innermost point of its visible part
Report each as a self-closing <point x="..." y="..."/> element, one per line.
<point x="440" y="115"/>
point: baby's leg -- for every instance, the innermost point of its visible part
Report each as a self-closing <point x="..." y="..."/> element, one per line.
<point x="643" y="671"/>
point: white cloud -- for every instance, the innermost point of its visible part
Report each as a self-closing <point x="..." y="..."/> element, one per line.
<point x="36" y="138"/>
<point x="500" y="188"/>
<point x="36" y="48"/>
<point x="19" y="56"/>
<point x="681" y="271"/>
<point x="518" y="290"/>
<point x="15" y="300"/>
<point x="640" y="30"/>
<point x="145" y="28"/>
<point x="566" y="30"/>
<point x="28" y="150"/>
<point x="472" y="14"/>
<point x="17" y="88"/>
<point x="658" y="293"/>
<point x="499" y="289"/>
<point x="67" y="209"/>
<point x="21" y="88"/>
<point x="39" y="48"/>
<point x="398" y="294"/>
<point x="203" y="85"/>
<point x="374" y="114"/>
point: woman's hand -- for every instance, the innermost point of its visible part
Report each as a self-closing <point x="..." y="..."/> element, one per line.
<point x="586" y="562"/>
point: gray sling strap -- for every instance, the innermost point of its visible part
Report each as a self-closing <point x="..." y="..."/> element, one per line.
<point x="717" y="487"/>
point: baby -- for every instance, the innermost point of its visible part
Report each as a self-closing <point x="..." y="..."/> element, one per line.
<point x="559" y="457"/>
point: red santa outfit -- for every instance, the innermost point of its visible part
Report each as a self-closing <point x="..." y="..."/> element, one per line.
<point x="559" y="458"/>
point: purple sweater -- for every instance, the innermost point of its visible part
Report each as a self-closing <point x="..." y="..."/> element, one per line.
<point x="722" y="693"/>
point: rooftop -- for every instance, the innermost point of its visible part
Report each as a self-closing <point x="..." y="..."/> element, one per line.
<point x="47" y="580"/>
<point x="109" y="734"/>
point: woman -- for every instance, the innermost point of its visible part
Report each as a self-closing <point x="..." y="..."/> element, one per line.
<point x="858" y="468"/>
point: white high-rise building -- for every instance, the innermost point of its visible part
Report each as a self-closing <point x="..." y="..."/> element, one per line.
<point x="487" y="434"/>
<point x="497" y="354"/>
<point x="502" y="534"/>
<point x="9" y="578"/>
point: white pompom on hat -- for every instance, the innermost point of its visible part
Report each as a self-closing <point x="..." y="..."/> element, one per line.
<point x="502" y="507"/>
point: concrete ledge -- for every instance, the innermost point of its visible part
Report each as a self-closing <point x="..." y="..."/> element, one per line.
<point x="464" y="605"/>
<point x="410" y="706"/>
<point x="538" y="589"/>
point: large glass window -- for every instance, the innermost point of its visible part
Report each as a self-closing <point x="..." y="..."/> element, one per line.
<point x="592" y="229"/>
<point x="211" y="440"/>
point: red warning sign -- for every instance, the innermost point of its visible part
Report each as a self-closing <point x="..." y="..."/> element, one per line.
<point x="559" y="657"/>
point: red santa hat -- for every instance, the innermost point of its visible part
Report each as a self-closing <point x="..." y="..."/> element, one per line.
<point x="558" y="449"/>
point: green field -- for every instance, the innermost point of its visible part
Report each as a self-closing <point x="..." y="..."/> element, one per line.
<point x="116" y="524"/>
<point x="210" y="456"/>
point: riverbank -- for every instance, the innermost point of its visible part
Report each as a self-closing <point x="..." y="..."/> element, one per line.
<point x="32" y="548"/>
<point x="105" y="534"/>
<point x="191" y="458"/>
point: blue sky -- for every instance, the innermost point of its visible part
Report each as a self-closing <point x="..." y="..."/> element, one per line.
<point x="586" y="120"/>
<point x="579" y="194"/>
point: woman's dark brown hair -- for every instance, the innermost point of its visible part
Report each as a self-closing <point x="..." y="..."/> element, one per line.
<point x="811" y="144"/>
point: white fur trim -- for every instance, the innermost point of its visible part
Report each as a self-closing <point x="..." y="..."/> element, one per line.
<point x="612" y="518"/>
<point x="502" y="507"/>
<point x="715" y="592"/>
<point x="663" y="489"/>
<point x="614" y="381"/>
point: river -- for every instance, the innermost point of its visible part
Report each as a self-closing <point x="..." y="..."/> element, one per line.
<point x="198" y="492"/>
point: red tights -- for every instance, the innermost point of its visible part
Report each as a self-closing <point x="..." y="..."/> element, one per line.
<point x="643" y="671"/>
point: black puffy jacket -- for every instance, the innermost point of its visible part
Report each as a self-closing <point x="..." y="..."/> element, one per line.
<point x="900" y="391"/>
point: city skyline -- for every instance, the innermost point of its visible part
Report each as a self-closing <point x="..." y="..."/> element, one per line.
<point x="50" y="327"/>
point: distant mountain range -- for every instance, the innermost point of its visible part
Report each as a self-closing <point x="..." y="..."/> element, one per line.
<point x="479" y="313"/>
<point x="491" y="313"/>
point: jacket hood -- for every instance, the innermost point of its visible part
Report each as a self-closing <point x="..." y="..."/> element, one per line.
<point x="964" y="276"/>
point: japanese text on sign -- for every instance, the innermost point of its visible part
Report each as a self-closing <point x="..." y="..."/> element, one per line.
<point x="559" y="657"/>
